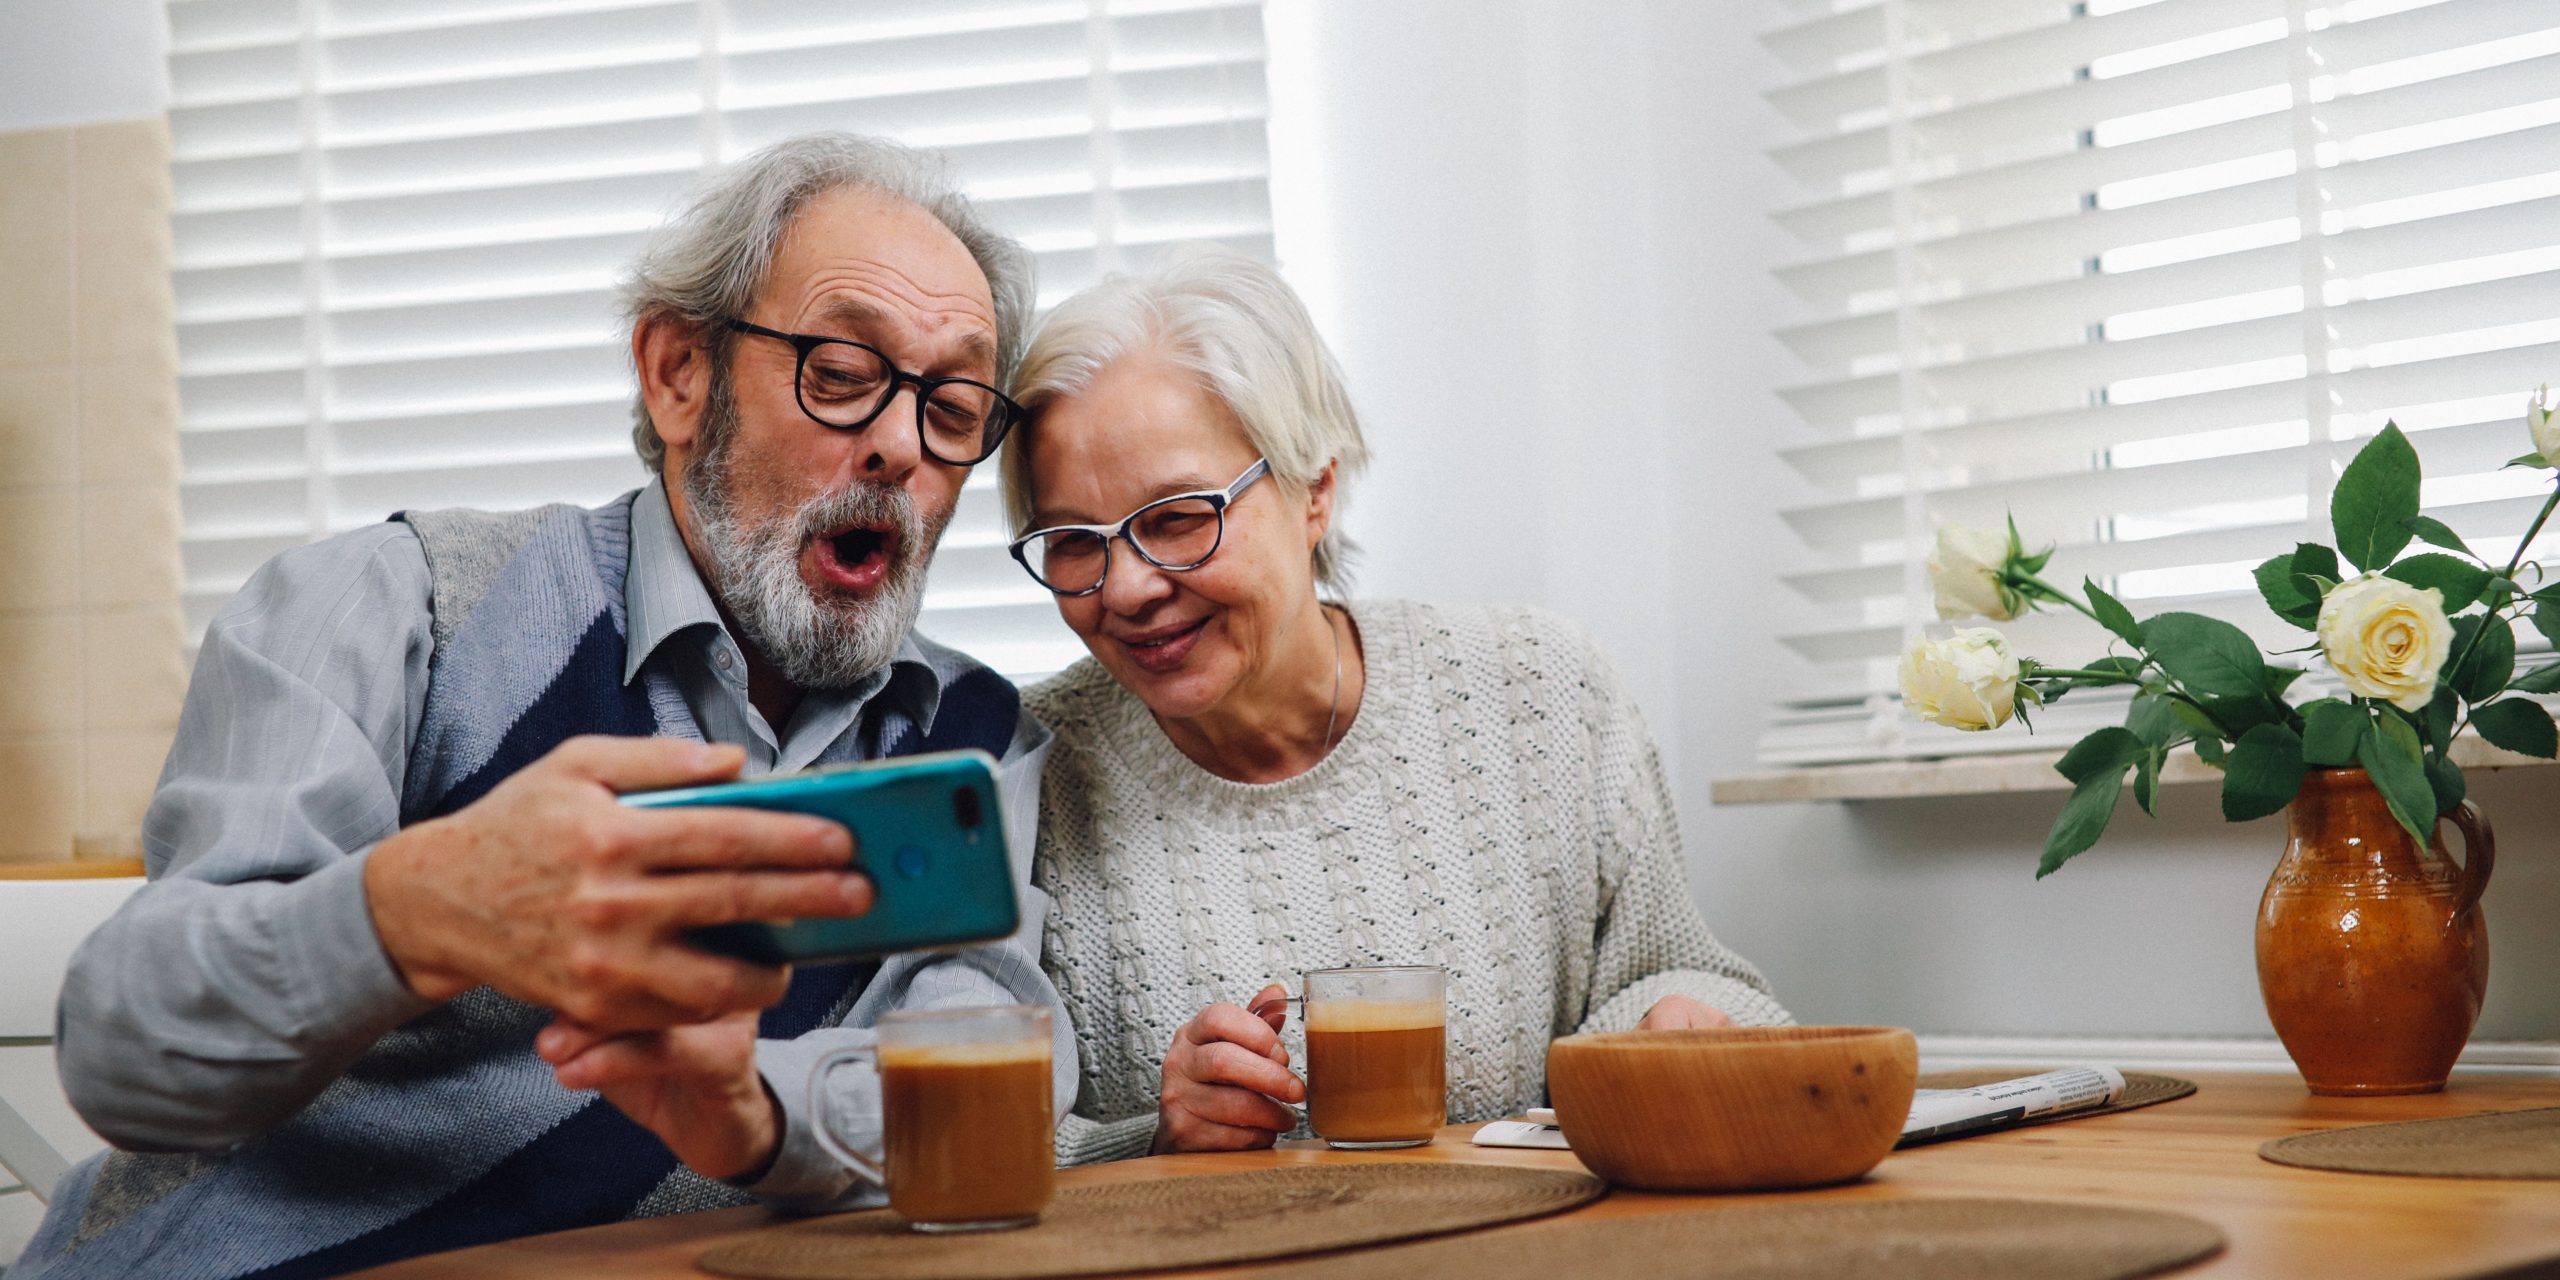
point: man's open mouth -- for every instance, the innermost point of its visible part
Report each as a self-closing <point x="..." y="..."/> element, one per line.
<point x="857" y="558"/>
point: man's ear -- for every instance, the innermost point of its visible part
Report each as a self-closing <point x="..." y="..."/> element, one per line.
<point x="675" y="376"/>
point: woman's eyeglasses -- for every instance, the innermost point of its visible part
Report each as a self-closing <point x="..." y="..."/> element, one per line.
<point x="1176" y="533"/>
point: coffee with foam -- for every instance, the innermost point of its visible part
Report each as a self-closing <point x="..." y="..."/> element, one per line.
<point x="1377" y="1070"/>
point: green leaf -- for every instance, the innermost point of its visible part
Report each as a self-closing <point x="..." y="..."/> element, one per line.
<point x="2330" y="731"/>
<point x="2458" y="581"/>
<point x="2197" y="721"/>
<point x="2546" y="615"/>
<point x="2544" y="679"/>
<point x="2434" y="531"/>
<point x="2278" y="679"/>
<point x="2525" y="460"/>
<point x="2390" y="755"/>
<point x="2084" y="817"/>
<point x="2438" y="719"/>
<point x="2239" y="715"/>
<point x="2445" y="778"/>
<point x="2105" y="751"/>
<point x="2207" y="655"/>
<point x="2498" y="592"/>
<point x="2490" y="664"/>
<point x="2316" y="561"/>
<point x="2285" y="593"/>
<point x="2375" y="494"/>
<point x="2112" y="612"/>
<point x="2265" y="771"/>
<point x="2211" y="751"/>
<point x="2146" y="781"/>
<point x="2518" y="725"/>
<point x="2153" y="718"/>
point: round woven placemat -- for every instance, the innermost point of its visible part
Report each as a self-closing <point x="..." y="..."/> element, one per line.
<point x="1169" y="1222"/>
<point x="1919" y="1239"/>
<point x="2498" y="1144"/>
<point x="2141" y="1089"/>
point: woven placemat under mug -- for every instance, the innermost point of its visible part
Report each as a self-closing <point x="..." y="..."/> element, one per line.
<point x="1169" y="1222"/>
<point x="2497" y="1144"/>
<point x="1956" y="1238"/>
<point x="2141" y="1089"/>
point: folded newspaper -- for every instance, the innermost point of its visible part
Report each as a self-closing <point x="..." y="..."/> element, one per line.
<point x="1948" y="1113"/>
<point x="1935" y="1113"/>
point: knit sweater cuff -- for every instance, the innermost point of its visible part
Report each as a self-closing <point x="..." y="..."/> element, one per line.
<point x="1087" y="1141"/>
<point x="1748" y="1005"/>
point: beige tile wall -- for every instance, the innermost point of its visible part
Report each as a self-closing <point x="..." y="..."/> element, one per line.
<point x="91" y="638"/>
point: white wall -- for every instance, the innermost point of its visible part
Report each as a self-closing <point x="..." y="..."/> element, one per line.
<point x="81" y="61"/>
<point x="1539" y="247"/>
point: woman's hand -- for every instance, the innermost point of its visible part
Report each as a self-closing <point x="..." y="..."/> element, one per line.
<point x="1673" y="1013"/>
<point x="1221" y="1076"/>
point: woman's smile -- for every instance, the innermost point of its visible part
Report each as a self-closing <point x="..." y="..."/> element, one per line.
<point x="1163" y="649"/>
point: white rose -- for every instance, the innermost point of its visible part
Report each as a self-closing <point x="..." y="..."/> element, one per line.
<point x="1965" y="572"/>
<point x="2545" y="426"/>
<point x="2386" y="639"/>
<point x="1968" y="680"/>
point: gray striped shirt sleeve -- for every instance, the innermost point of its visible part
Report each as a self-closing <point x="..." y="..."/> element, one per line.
<point x="246" y="976"/>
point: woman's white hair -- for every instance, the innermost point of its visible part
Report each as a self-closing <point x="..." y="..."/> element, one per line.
<point x="1232" y="322"/>
<point x="707" y="265"/>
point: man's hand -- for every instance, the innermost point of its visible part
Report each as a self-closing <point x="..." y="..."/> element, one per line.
<point x="1672" y="1013"/>
<point x="1221" y="1076"/>
<point x="552" y="892"/>
<point x="696" y="1087"/>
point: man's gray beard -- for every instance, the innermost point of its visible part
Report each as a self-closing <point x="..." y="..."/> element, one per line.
<point x="815" y="644"/>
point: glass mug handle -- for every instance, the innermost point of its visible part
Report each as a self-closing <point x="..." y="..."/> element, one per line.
<point x="869" y="1056"/>
<point x="1284" y="1000"/>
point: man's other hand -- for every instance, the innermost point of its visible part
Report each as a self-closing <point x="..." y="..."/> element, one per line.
<point x="696" y="1087"/>
<point x="554" y="893"/>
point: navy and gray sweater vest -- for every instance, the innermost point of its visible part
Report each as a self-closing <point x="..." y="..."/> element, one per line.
<point x="449" y="1132"/>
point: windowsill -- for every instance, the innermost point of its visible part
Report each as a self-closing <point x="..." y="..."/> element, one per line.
<point x="1991" y="774"/>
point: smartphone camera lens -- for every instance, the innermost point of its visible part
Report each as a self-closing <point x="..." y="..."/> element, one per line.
<point x="964" y="808"/>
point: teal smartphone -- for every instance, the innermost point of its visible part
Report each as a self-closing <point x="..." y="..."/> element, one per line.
<point x="928" y="830"/>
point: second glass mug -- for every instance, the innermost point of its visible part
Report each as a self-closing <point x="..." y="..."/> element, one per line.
<point x="966" y="1116"/>
<point x="1377" y="1055"/>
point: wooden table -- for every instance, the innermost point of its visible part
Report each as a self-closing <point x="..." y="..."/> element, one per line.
<point x="2197" y="1155"/>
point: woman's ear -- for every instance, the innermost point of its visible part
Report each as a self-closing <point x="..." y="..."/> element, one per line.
<point x="1319" y="506"/>
<point x="675" y="374"/>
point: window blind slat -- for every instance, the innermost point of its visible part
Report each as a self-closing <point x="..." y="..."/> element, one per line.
<point x="2101" y="289"/>
<point x="421" y="239"/>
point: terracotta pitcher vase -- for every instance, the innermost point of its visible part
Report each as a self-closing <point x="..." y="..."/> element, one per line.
<point x="2372" y="952"/>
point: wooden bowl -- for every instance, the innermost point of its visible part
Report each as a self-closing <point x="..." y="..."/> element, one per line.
<point x="1734" y="1109"/>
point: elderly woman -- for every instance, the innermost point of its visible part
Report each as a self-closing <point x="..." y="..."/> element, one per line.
<point x="1251" y="781"/>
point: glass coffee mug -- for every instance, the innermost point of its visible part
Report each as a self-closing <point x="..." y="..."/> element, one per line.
<point x="1377" y="1055"/>
<point x="965" y="1113"/>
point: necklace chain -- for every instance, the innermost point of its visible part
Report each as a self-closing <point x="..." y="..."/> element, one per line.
<point x="1335" y="710"/>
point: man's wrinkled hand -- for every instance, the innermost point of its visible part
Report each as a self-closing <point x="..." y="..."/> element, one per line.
<point x="552" y="892"/>
<point x="695" y="1086"/>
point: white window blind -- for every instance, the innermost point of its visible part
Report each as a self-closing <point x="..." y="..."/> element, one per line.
<point x="2144" y="273"/>
<point x="398" y="226"/>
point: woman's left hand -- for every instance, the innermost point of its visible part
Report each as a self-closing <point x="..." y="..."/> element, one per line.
<point x="1672" y="1013"/>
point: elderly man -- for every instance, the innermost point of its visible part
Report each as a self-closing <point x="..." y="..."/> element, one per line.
<point x="399" y="928"/>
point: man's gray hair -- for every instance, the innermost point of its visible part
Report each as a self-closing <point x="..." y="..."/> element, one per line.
<point x="1233" y="323"/>
<point x="707" y="265"/>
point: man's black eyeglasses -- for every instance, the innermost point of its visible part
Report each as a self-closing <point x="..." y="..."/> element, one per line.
<point x="846" y="385"/>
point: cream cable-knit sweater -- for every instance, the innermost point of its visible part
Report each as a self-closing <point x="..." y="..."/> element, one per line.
<point x="1496" y="808"/>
